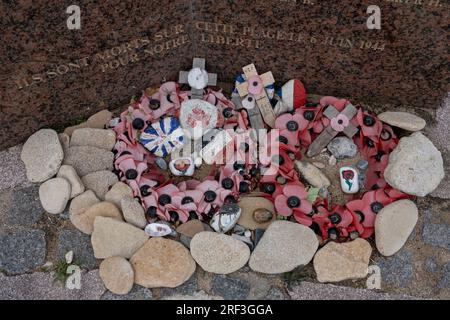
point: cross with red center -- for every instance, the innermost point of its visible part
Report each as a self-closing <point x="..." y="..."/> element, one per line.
<point x="254" y="90"/>
<point x="340" y="122"/>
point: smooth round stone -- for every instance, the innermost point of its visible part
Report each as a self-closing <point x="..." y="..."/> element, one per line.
<point x="85" y="220"/>
<point x="100" y="119"/>
<point x="118" y="191"/>
<point x="219" y="253"/>
<point x="283" y="247"/>
<point x="54" y="195"/>
<point x="415" y="166"/>
<point x="403" y="120"/>
<point x="100" y="182"/>
<point x="76" y="185"/>
<point x="117" y="275"/>
<point x="337" y="262"/>
<point x="99" y="138"/>
<point x="262" y="215"/>
<point x="342" y="147"/>
<point x="248" y="206"/>
<point x="393" y="226"/>
<point x="42" y="155"/>
<point x="162" y="263"/>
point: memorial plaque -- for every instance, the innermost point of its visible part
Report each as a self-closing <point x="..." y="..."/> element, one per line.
<point x="51" y="74"/>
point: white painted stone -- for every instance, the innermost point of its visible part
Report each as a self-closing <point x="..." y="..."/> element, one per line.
<point x="349" y="180"/>
<point x="197" y="117"/>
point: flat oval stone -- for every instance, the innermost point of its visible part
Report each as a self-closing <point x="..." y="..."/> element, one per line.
<point x="403" y="120"/>
<point x="262" y="215"/>
<point x="86" y="159"/>
<point x="162" y="263"/>
<point x="312" y="174"/>
<point x="42" y="155"/>
<point x="284" y="246"/>
<point x="117" y="275"/>
<point x="393" y="226"/>
<point x="54" y="195"/>
<point x="219" y="253"/>
<point x="248" y="206"/>
<point x="85" y="220"/>
<point x="99" y="138"/>
<point x="337" y="262"/>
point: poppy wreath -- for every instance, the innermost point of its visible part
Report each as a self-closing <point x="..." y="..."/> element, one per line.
<point x="274" y="177"/>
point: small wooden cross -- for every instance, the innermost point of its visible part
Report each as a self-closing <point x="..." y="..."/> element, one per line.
<point x="329" y="133"/>
<point x="247" y="88"/>
<point x="198" y="65"/>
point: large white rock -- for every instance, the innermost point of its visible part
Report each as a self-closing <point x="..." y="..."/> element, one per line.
<point x="393" y="226"/>
<point x="115" y="238"/>
<point x="54" y="195"/>
<point x="69" y="173"/>
<point x="415" y="166"/>
<point x="219" y="253"/>
<point x="284" y="246"/>
<point x="42" y="155"/>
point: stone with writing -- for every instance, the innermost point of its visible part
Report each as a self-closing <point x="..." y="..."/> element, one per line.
<point x="197" y="117"/>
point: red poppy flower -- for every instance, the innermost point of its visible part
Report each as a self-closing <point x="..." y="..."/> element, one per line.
<point x="293" y="200"/>
<point x="290" y="126"/>
<point x="339" y="104"/>
<point x="370" y="125"/>
<point x="213" y="196"/>
<point x="185" y="204"/>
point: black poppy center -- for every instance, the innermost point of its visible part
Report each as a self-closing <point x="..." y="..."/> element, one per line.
<point x="255" y="83"/>
<point x="138" y="124"/>
<point x="333" y="233"/>
<point x="169" y="98"/>
<point x="230" y="199"/>
<point x="269" y="188"/>
<point x="379" y="155"/>
<point x="369" y="142"/>
<point x="369" y="121"/>
<point x="152" y="212"/>
<point x="283" y="139"/>
<point x="293" y="202"/>
<point x="238" y="166"/>
<point x="164" y="199"/>
<point x="145" y="190"/>
<point x="210" y="196"/>
<point x="174" y="216"/>
<point x="361" y="216"/>
<point x="244" y="187"/>
<point x="292" y="126"/>
<point x="131" y="174"/>
<point x="335" y="218"/>
<point x="245" y="147"/>
<point x="227" y="113"/>
<point x="187" y="200"/>
<point x="154" y="104"/>
<point x="340" y="121"/>
<point x="309" y="115"/>
<point x="376" y="207"/>
<point x="228" y="183"/>
<point x="193" y="215"/>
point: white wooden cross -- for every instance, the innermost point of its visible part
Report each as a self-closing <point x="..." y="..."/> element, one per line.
<point x="329" y="133"/>
<point x="254" y="87"/>
<point x="198" y="78"/>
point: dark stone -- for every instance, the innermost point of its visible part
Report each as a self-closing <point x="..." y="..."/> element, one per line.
<point x="80" y="244"/>
<point x="444" y="283"/>
<point x="22" y="251"/>
<point x="437" y="235"/>
<point x="187" y="288"/>
<point x="25" y="207"/>
<point x="398" y="269"/>
<point x="137" y="293"/>
<point x="230" y="288"/>
<point x="275" y="294"/>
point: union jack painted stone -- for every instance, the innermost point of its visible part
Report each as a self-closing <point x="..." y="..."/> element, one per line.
<point x="163" y="136"/>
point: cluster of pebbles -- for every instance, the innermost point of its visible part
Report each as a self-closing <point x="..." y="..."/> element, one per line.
<point x="76" y="167"/>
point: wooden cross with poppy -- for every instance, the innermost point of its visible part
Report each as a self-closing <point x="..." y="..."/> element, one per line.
<point x="254" y="92"/>
<point x="190" y="77"/>
<point x="340" y="122"/>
